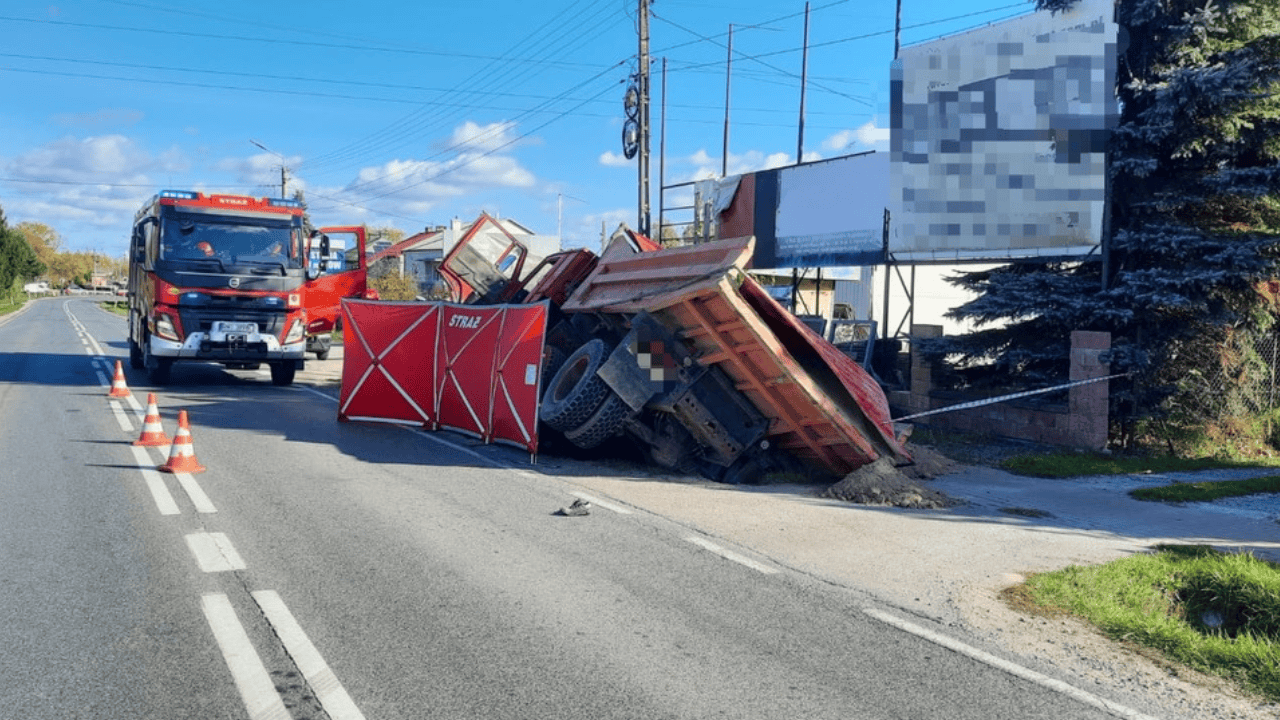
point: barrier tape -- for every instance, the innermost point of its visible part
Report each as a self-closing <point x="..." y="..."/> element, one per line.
<point x="1003" y="398"/>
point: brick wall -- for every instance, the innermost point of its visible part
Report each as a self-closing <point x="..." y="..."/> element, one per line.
<point x="1081" y="422"/>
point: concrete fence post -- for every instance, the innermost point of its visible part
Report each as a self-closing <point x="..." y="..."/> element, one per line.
<point x="1088" y="404"/>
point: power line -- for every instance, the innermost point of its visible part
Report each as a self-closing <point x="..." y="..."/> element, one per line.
<point x="309" y="44"/>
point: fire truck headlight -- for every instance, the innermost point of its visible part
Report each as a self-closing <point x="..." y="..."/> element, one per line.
<point x="165" y="328"/>
<point x="295" y="332"/>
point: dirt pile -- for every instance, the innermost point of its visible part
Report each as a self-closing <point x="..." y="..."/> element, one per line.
<point x="880" y="483"/>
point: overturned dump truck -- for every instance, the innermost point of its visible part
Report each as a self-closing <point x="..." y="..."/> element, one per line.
<point x="680" y="351"/>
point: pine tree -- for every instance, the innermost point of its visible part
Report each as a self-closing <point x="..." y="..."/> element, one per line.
<point x="1195" y="210"/>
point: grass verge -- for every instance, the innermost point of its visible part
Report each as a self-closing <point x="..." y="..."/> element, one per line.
<point x="1209" y="490"/>
<point x="1061" y="465"/>
<point x="1218" y="613"/>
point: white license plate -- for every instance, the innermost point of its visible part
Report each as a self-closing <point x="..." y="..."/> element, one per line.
<point x="235" y="327"/>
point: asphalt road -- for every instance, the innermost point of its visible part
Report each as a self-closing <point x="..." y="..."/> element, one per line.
<point x="329" y="569"/>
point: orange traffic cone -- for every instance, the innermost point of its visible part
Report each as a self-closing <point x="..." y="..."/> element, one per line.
<point x="182" y="458"/>
<point x="118" y="386"/>
<point x="152" y="432"/>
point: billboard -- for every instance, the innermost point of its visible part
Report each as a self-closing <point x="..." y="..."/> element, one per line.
<point x="999" y="138"/>
<point x="817" y="214"/>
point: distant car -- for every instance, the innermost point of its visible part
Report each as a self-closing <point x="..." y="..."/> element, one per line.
<point x="36" y="287"/>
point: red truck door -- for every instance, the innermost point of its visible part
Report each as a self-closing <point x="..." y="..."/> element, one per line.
<point x="344" y="276"/>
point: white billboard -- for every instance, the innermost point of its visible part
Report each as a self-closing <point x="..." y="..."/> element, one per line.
<point x="832" y="212"/>
<point x="999" y="138"/>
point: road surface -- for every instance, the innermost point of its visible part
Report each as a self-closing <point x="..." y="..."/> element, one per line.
<point x="323" y="569"/>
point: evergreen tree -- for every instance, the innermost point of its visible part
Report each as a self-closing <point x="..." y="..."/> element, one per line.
<point x="1195" y="209"/>
<point x="17" y="259"/>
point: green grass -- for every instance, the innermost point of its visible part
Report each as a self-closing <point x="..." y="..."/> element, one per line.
<point x="1066" y="464"/>
<point x="1218" y="613"/>
<point x="1209" y="490"/>
<point x="11" y="302"/>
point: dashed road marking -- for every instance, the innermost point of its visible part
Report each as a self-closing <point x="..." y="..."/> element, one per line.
<point x="201" y="501"/>
<point x="159" y="491"/>
<point x="328" y="690"/>
<point x="214" y="552"/>
<point x="257" y="690"/>
<point x="601" y="503"/>
<point x="121" y="418"/>
<point x="1011" y="668"/>
<point x="733" y="556"/>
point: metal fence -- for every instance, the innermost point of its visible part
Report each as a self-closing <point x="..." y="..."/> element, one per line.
<point x="1226" y="373"/>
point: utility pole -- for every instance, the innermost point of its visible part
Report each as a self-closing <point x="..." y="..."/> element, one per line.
<point x="804" y="81"/>
<point x="728" y="74"/>
<point x="643" y="120"/>
<point x="284" y="171"/>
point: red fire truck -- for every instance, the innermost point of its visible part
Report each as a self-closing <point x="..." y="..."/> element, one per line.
<point x="218" y="278"/>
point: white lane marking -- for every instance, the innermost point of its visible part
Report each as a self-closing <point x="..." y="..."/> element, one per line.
<point x="159" y="492"/>
<point x="214" y="552"/>
<point x="314" y="391"/>
<point x="328" y="690"/>
<point x="121" y="418"/>
<point x="257" y="690"/>
<point x="102" y="379"/>
<point x="1005" y="665"/>
<point x="201" y="501"/>
<point x="606" y="505"/>
<point x="730" y="555"/>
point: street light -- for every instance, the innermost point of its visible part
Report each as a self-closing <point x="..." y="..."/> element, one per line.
<point x="284" y="171"/>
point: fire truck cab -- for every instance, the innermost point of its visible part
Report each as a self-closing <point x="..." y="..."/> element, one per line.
<point x="218" y="278"/>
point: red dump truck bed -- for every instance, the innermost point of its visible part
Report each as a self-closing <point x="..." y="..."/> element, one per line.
<point x="822" y="407"/>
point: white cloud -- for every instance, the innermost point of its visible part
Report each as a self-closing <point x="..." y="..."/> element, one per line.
<point x="87" y="187"/>
<point x="105" y="159"/>
<point x="612" y="159"/>
<point x="470" y="137"/>
<point x="261" y="170"/>
<point x="707" y="167"/>
<point x="864" y="137"/>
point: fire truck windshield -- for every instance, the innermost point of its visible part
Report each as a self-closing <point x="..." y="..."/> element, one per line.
<point x="231" y="241"/>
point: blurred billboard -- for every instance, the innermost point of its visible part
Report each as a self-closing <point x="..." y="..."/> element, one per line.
<point x="999" y="138"/>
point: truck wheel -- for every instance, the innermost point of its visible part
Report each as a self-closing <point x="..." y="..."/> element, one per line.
<point x="323" y="354"/>
<point x="552" y="360"/>
<point x="576" y="391"/>
<point x="158" y="368"/>
<point x="282" y="373"/>
<point x="135" y="355"/>
<point x="603" y="423"/>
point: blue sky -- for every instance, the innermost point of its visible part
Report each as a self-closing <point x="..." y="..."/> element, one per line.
<point x="406" y="115"/>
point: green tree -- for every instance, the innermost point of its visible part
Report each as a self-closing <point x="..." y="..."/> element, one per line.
<point x="17" y="260"/>
<point x="394" y="286"/>
<point x="1195" y="176"/>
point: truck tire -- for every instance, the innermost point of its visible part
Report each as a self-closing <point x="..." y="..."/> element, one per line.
<point x="158" y="368"/>
<point x="282" y="373"/>
<point x="552" y="360"/>
<point x="576" y="390"/>
<point x="135" y="355"/>
<point x="604" y="423"/>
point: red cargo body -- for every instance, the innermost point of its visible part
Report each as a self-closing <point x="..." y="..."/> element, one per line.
<point x="822" y="406"/>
